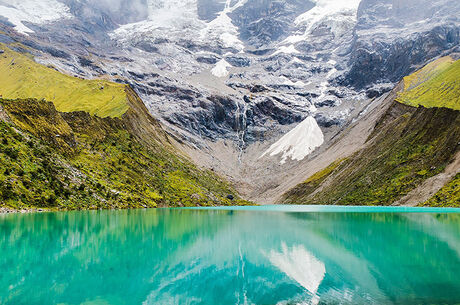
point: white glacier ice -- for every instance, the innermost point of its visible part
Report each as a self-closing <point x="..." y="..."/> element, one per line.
<point x="299" y="142"/>
<point x="290" y="49"/>
<point x="221" y="68"/>
<point x="222" y="28"/>
<point x="38" y="12"/>
<point x="175" y="19"/>
<point x="165" y="16"/>
<point x="339" y="15"/>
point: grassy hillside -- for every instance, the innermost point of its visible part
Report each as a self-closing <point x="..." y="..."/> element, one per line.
<point x="408" y="146"/>
<point x="49" y="159"/>
<point x="435" y="85"/>
<point x="448" y="196"/>
<point x="21" y="77"/>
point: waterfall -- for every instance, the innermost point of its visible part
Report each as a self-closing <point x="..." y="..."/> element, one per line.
<point x="241" y="128"/>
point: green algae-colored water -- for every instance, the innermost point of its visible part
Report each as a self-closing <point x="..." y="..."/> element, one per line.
<point x="255" y="255"/>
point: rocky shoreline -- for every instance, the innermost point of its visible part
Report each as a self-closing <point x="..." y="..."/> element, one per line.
<point x="8" y="210"/>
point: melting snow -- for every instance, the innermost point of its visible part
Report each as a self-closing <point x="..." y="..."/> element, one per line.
<point x="223" y="29"/>
<point x="287" y="81"/>
<point x="339" y="15"/>
<point x="33" y="11"/>
<point x="286" y="49"/>
<point x="221" y="68"/>
<point x="301" y="266"/>
<point x="166" y="18"/>
<point x="299" y="142"/>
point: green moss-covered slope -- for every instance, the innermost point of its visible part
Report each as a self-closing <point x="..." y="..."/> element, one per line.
<point x="22" y="77"/>
<point x="78" y="161"/>
<point x="302" y="192"/>
<point x="435" y="85"/>
<point x="448" y="196"/>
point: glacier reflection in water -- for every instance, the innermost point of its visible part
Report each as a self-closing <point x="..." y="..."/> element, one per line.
<point x="301" y="266"/>
<point x="265" y="255"/>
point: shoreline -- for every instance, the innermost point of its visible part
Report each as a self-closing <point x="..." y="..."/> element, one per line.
<point x="289" y="208"/>
<point x="8" y="210"/>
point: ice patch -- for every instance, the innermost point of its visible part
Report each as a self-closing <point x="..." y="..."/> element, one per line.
<point x="299" y="142"/>
<point x="339" y="15"/>
<point x="166" y="18"/>
<point x="33" y="11"/>
<point x="287" y="81"/>
<point x="287" y="50"/>
<point x="221" y="68"/>
<point x="223" y="29"/>
<point x="325" y="8"/>
<point x="301" y="266"/>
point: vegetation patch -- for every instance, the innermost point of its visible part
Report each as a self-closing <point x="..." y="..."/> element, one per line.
<point x="407" y="146"/>
<point x="448" y="196"/>
<point x="21" y="78"/>
<point x="435" y="85"/>
<point x="302" y="191"/>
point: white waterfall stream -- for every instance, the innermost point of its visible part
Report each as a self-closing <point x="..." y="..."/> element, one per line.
<point x="241" y="128"/>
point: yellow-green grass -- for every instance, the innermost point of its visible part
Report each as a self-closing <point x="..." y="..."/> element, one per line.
<point x="435" y="85"/>
<point x="447" y="196"/>
<point x="22" y="77"/>
<point x="323" y="174"/>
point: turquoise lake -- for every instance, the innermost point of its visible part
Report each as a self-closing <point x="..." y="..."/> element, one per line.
<point x="254" y="255"/>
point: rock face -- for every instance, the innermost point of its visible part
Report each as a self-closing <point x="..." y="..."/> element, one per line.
<point x="266" y="21"/>
<point x="241" y="71"/>
<point x="392" y="39"/>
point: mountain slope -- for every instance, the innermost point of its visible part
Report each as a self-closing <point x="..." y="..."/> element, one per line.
<point x="408" y="146"/>
<point x="230" y="79"/>
<point x="75" y="160"/>
<point x="436" y="85"/>
<point x="22" y="77"/>
<point x="447" y="196"/>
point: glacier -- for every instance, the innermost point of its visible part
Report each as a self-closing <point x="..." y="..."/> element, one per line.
<point x="299" y="142"/>
<point x="38" y="12"/>
<point x="221" y="68"/>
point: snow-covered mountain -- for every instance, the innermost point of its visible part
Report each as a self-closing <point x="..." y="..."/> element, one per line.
<point x="234" y="80"/>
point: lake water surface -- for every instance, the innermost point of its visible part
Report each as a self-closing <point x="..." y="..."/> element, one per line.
<point x="256" y="255"/>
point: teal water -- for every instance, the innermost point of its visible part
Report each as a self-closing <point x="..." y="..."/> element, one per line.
<point x="259" y="255"/>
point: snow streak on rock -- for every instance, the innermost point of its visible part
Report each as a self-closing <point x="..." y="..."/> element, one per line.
<point x="299" y="142"/>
